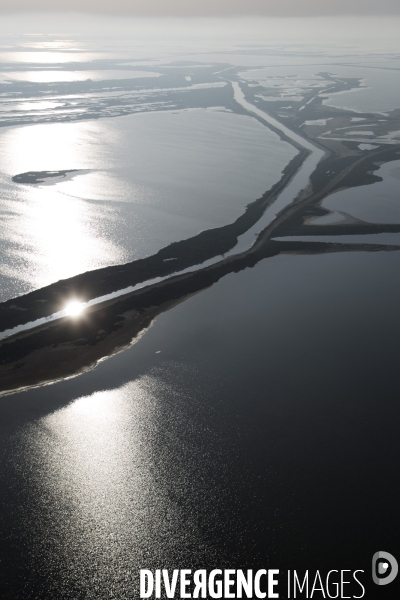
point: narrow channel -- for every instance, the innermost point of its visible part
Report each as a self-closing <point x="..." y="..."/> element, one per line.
<point x="298" y="183"/>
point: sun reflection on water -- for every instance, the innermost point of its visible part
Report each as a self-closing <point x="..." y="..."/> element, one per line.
<point x="75" y="308"/>
<point x="47" y="58"/>
<point x="99" y="502"/>
<point x="52" y="232"/>
<point x="109" y="471"/>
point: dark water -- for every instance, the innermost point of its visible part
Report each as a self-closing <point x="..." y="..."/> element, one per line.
<point x="254" y="425"/>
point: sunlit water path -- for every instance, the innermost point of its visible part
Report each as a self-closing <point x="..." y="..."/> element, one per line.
<point x="145" y="181"/>
<point x="245" y="241"/>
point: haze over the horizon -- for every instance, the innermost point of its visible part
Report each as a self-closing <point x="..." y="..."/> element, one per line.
<point x="282" y="8"/>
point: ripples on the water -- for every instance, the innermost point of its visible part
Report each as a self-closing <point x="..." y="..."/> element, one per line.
<point x="254" y="425"/>
<point x="222" y="436"/>
<point x="154" y="179"/>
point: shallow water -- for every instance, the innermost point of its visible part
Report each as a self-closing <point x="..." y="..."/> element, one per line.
<point x="375" y="203"/>
<point x="154" y="179"/>
<point x="255" y="425"/>
<point x="369" y="98"/>
<point x="297" y="79"/>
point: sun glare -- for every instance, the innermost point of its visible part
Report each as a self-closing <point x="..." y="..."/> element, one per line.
<point x="75" y="308"/>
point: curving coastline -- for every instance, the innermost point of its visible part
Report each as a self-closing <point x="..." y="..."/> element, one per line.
<point x="174" y="258"/>
<point x="68" y="347"/>
<point x="64" y="348"/>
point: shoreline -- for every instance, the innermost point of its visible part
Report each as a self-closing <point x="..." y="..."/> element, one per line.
<point x="68" y="348"/>
<point x="186" y="253"/>
<point x="169" y="260"/>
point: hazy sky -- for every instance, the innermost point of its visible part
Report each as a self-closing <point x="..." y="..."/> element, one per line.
<point x="211" y="7"/>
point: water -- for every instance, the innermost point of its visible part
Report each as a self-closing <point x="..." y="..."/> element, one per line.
<point x="299" y="181"/>
<point x="252" y="426"/>
<point x="376" y="203"/>
<point x="152" y="179"/>
<point x="246" y="240"/>
<point x="369" y="98"/>
<point x="223" y="437"/>
<point x="293" y="79"/>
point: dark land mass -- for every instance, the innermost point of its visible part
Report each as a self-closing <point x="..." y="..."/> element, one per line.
<point x="172" y="76"/>
<point x="355" y="170"/>
<point x="289" y="229"/>
<point x="68" y="347"/>
<point x="312" y="104"/>
<point x="301" y="117"/>
<point x="175" y="257"/>
<point x="210" y="243"/>
<point x="292" y="219"/>
<point x="170" y="91"/>
<point x="34" y="177"/>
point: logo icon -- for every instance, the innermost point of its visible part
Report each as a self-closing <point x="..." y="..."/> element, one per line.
<point x="384" y="568"/>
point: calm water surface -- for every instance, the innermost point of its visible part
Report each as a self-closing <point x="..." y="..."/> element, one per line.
<point x="153" y="179"/>
<point x="223" y="437"/>
<point x="255" y="425"/>
<point x="376" y="203"/>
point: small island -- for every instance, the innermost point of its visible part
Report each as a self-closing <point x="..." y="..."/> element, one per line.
<point x="35" y="177"/>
